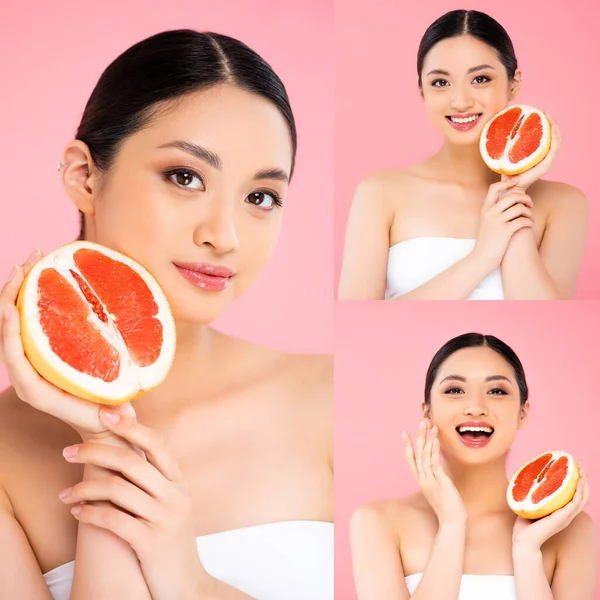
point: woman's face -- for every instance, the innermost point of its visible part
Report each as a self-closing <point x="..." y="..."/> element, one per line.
<point x="476" y="388"/>
<point x="463" y="77"/>
<point x="200" y="188"/>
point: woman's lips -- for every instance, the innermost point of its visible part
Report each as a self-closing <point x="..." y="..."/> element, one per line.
<point x="464" y="126"/>
<point x="214" y="278"/>
<point x="478" y="442"/>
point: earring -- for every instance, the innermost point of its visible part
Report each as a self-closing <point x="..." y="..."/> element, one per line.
<point x="60" y="166"/>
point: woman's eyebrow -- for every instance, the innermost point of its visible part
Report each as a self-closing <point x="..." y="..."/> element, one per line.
<point x="198" y="151"/>
<point x="455" y="377"/>
<point x="276" y="174"/>
<point x="471" y="70"/>
<point x="214" y="160"/>
<point x="498" y="378"/>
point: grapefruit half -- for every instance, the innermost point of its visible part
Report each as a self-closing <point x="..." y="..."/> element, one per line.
<point x="515" y="140"/>
<point x="543" y="485"/>
<point x="96" y="324"/>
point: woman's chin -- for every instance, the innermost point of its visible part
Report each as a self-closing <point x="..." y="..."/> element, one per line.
<point x="201" y="311"/>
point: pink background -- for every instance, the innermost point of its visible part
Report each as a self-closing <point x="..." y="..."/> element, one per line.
<point x="380" y="122"/>
<point x="51" y="56"/>
<point x="382" y="355"/>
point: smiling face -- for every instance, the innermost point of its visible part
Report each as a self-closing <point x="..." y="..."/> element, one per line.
<point x="195" y="197"/>
<point x="475" y="393"/>
<point x="464" y="85"/>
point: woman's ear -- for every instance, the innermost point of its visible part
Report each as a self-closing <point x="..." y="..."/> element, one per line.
<point x="515" y="84"/>
<point x="524" y="416"/>
<point x="79" y="176"/>
<point x="426" y="409"/>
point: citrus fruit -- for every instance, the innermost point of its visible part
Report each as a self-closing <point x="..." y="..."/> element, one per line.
<point x="515" y="140"/>
<point x="96" y="324"/>
<point x="543" y="485"/>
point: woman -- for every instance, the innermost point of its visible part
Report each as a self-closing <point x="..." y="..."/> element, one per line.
<point x="448" y="228"/>
<point x="457" y="538"/>
<point x="219" y="483"/>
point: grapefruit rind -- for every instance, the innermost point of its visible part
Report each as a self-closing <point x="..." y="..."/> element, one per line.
<point x="133" y="381"/>
<point x="561" y="497"/>
<point x="503" y="165"/>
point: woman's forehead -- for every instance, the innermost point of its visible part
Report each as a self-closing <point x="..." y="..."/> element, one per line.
<point x="457" y="55"/>
<point x="227" y="121"/>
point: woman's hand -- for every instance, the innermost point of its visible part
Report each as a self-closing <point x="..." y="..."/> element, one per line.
<point x="505" y="211"/>
<point x="438" y="489"/>
<point x="530" y="535"/>
<point x="145" y="501"/>
<point x="528" y="177"/>
<point x="80" y="414"/>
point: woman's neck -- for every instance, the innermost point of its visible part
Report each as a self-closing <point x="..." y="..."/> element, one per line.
<point x="463" y="165"/>
<point x="482" y="487"/>
<point x="198" y="369"/>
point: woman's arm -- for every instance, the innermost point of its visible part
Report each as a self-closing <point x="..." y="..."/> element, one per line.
<point x="550" y="272"/>
<point x="378" y="571"/>
<point x="576" y="568"/>
<point x="367" y="244"/>
<point x="20" y="575"/>
<point x="141" y="520"/>
<point x="455" y="283"/>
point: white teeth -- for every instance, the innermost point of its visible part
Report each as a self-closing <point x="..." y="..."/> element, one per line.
<point x="467" y="120"/>
<point x="469" y="428"/>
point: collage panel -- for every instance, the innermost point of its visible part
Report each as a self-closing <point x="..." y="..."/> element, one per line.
<point x="464" y="465"/>
<point x="166" y="376"/>
<point x="474" y="178"/>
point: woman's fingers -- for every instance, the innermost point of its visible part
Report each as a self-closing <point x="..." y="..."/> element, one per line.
<point x="520" y="223"/>
<point x="110" y="517"/>
<point x="10" y="290"/>
<point x="409" y="454"/>
<point x="512" y="199"/>
<point x="427" y="454"/>
<point x="420" y="445"/>
<point x="119" y="491"/>
<point x="121" y="460"/>
<point x="518" y="210"/>
<point x="23" y="376"/>
<point x="148" y="440"/>
<point x="495" y="190"/>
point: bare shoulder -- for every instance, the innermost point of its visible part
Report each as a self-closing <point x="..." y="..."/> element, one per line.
<point x="580" y="533"/>
<point x="389" y="514"/>
<point x="393" y="180"/>
<point x="557" y="197"/>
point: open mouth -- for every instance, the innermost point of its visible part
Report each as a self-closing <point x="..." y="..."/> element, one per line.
<point x="465" y="122"/>
<point x="475" y="436"/>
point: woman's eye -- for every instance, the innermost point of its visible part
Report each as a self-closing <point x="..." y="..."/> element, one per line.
<point x="497" y="392"/>
<point x="481" y="79"/>
<point x="454" y="390"/>
<point x="440" y="83"/>
<point x="183" y="178"/>
<point x="264" y="200"/>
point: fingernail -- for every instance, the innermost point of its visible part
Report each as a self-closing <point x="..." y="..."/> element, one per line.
<point x="70" y="451"/>
<point x="32" y="256"/>
<point x="65" y="493"/>
<point x="109" y="415"/>
<point x="76" y="510"/>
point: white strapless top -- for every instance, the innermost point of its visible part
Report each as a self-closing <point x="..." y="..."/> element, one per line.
<point x="413" y="262"/>
<point x="289" y="559"/>
<point x="476" y="587"/>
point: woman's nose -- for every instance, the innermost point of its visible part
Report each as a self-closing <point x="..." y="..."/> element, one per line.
<point x="476" y="406"/>
<point x="217" y="227"/>
<point x="461" y="99"/>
